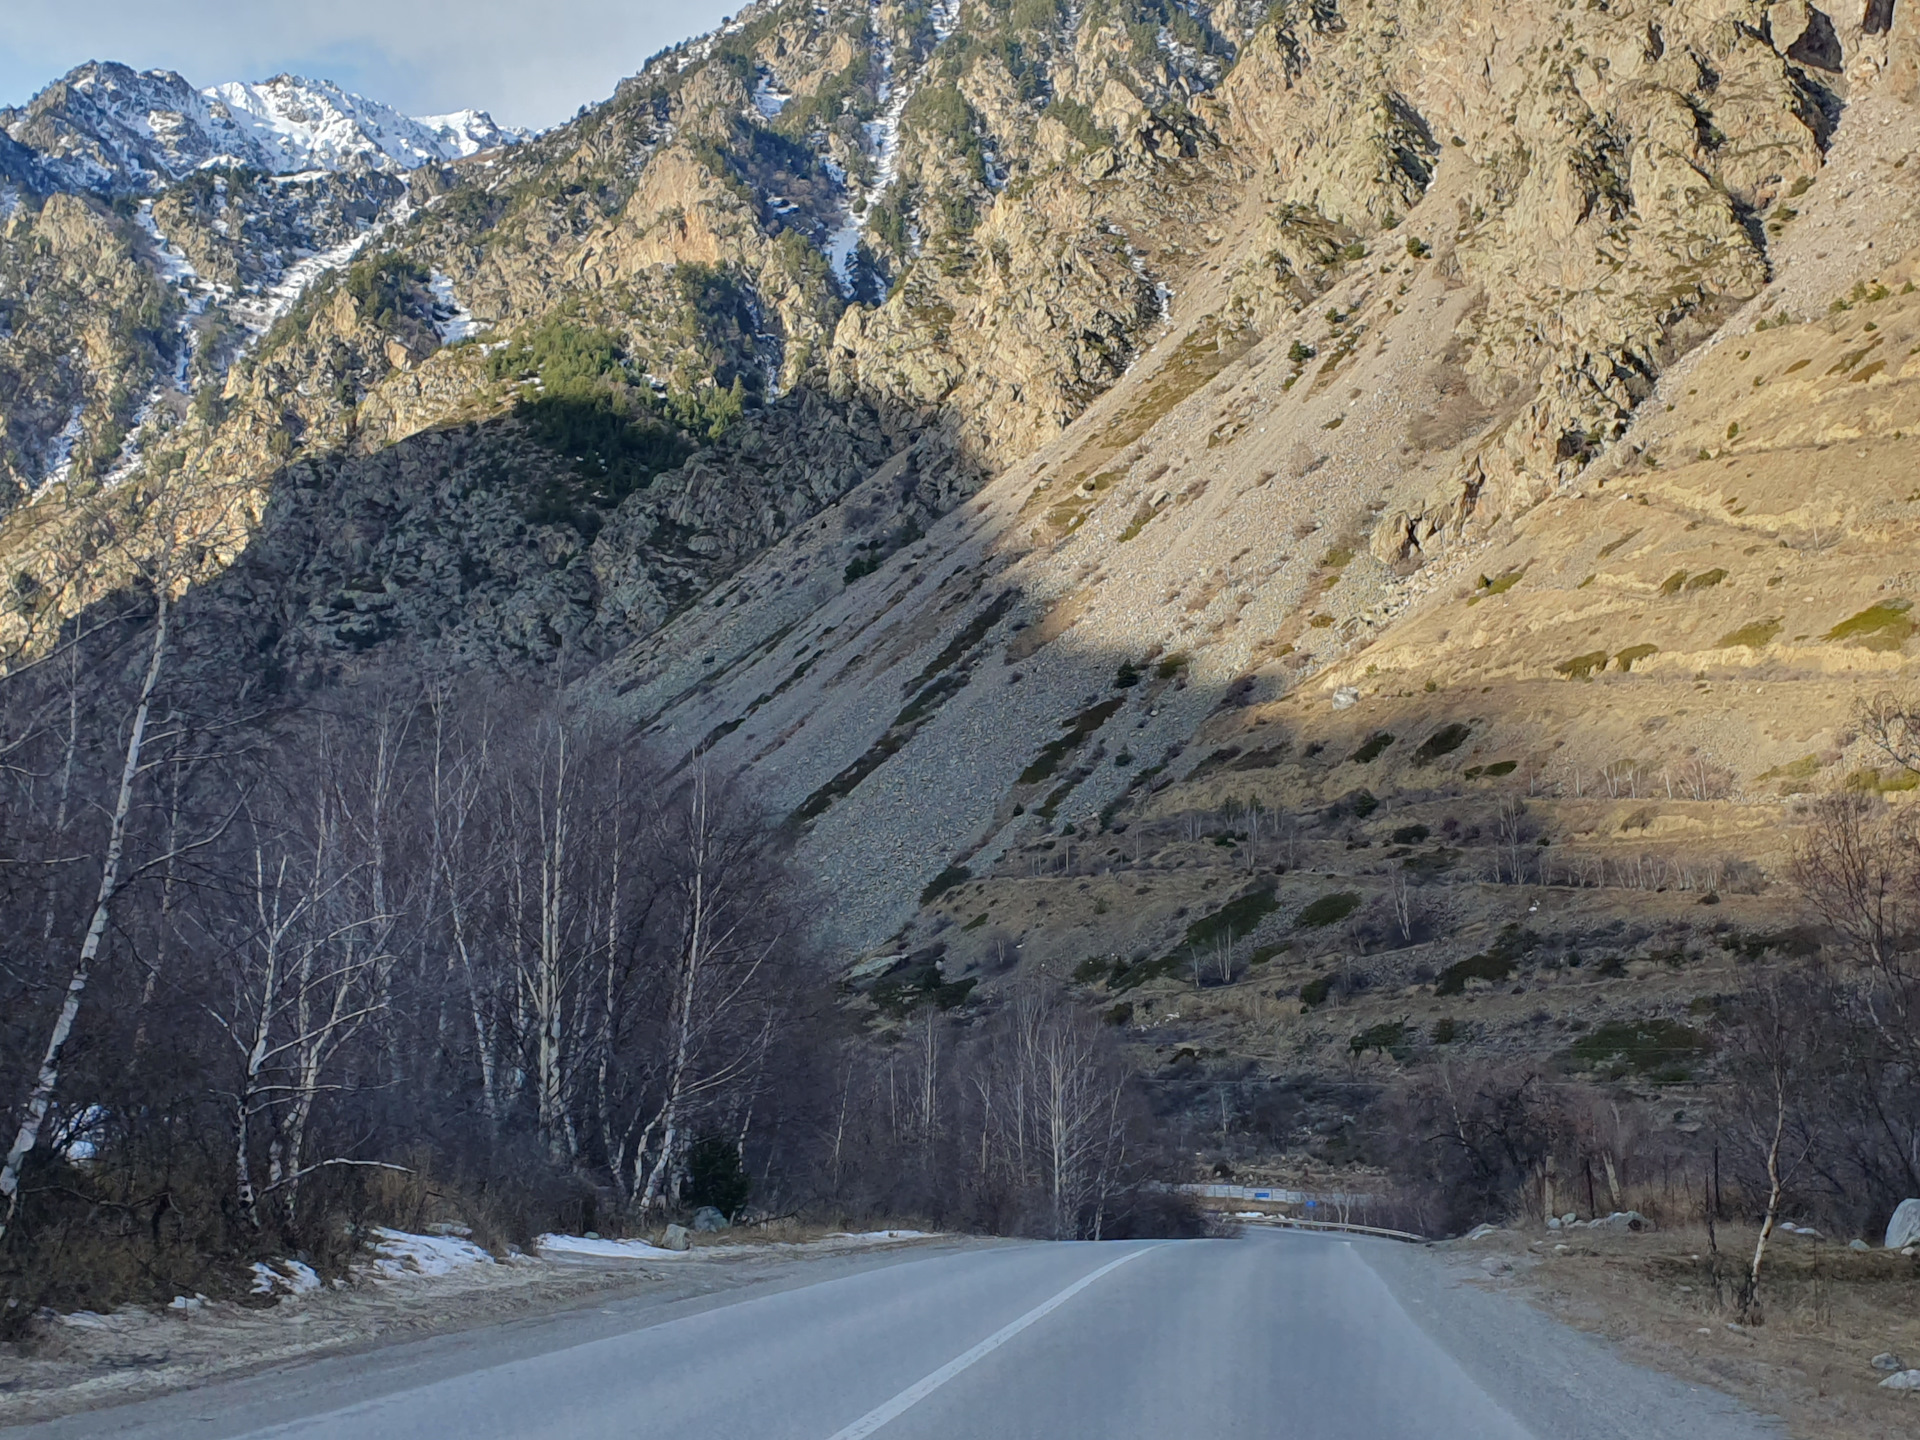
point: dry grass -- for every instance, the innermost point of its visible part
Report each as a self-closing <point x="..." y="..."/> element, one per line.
<point x="1667" y="1298"/>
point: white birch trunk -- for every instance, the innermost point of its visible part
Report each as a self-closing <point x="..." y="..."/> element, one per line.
<point x="47" y="1081"/>
<point x="692" y="959"/>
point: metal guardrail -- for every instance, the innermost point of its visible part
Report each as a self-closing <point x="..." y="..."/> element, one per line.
<point x="1287" y="1222"/>
<point x="1310" y="1199"/>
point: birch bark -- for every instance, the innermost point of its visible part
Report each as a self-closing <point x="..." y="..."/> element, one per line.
<point x="47" y="1080"/>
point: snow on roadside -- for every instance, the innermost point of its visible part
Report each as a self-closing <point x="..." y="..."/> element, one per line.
<point x="292" y="1276"/>
<point x="399" y="1255"/>
<point x="884" y="1235"/>
<point x="594" y="1247"/>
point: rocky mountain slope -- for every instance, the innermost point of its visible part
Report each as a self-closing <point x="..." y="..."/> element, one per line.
<point x="150" y="231"/>
<point x="1507" y="633"/>
<point x="1299" y="497"/>
<point x="686" y="254"/>
<point x="1336" y="420"/>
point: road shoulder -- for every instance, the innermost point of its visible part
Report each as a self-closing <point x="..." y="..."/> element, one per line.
<point x="1664" y="1300"/>
<point x="1555" y="1380"/>
<point x="302" y="1356"/>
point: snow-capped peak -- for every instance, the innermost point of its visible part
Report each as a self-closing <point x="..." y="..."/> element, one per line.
<point x="467" y="132"/>
<point x="315" y="125"/>
<point x="106" y="126"/>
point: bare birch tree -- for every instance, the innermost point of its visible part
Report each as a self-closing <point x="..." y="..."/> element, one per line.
<point x="716" y="958"/>
<point x="1052" y="1115"/>
<point x="1770" y="1063"/>
<point x="46" y="1082"/>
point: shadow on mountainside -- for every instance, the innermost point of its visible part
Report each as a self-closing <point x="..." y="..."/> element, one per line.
<point x="478" y="545"/>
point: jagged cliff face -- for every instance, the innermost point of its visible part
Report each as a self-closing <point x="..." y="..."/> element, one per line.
<point x="80" y="317"/>
<point x="860" y="386"/>
<point x="1605" y="169"/>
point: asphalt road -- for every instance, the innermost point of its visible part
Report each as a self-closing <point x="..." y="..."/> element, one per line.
<point x="1273" y="1335"/>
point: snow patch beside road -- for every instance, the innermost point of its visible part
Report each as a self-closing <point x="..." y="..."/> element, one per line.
<point x="596" y="1248"/>
<point x="292" y="1276"/>
<point x="397" y="1255"/>
<point x="401" y="1256"/>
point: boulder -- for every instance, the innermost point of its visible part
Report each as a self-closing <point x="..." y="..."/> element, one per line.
<point x="676" y="1238"/>
<point x="1623" y="1220"/>
<point x="1858" y="1245"/>
<point x="1887" y="1361"/>
<point x="1904" y="1228"/>
<point x="1905" y="1380"/>
<point x="707" y="1220"/>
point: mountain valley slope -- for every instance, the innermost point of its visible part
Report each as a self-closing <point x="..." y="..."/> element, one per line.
<point x="1296" y="592"/>
<point x="1078" y="461"/>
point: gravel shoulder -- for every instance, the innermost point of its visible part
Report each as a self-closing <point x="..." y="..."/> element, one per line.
<point x="302" y="1355"/>
<point x="1656" y="1306"/>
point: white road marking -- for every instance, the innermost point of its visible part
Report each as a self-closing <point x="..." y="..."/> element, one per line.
<point x="920" y="1389"/>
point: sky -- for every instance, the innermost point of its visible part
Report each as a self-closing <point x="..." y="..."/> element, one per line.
<point x="526" y="62"/>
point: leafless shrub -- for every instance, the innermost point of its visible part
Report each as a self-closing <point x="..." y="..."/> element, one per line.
<point x="1701" y="779"/>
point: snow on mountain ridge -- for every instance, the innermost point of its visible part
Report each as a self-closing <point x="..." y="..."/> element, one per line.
<point x="316" y="125"/>
<point x="107" y="126"/>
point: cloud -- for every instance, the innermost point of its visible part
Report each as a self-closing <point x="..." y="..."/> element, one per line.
<point x="527" y="62"/>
